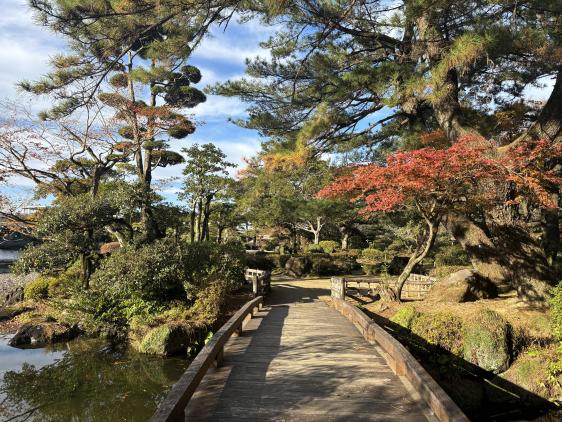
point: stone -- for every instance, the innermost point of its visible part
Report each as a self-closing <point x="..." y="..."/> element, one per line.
<point x="41" y="334"/>
<point x="463" y="286"/>
<point x="486" y="341"/>
<point x="298" y="266"/>
<point x="167" y="340"/>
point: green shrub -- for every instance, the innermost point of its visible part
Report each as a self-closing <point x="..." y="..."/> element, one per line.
<point x="373" y="260"/>
<point x="313" y="248"/>
<point x="65" y="282"/>
<point x="137" y="284"/>
<point x="373" y="256"/>
<point x="44" y="258"/>
<point x="260" y="262"/>
<point x="451" y="255"/>
<point x="405" y="316"/>
<point x="149" y="272"/>
<point x="556" y="311"/>
<point x="38" y="288"/>
<point x="440" y="329"/>
<point x="329" y="246"/>
<point x="205" y="261"/>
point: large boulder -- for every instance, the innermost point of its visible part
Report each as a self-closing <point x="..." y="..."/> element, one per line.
<point x="12" y="286"/>
<point x="463" y="286"/>
<point x="486" y="342"/>
<point x="298" y="266"/>
<point x="167" y="340"/>
<point x="41" y="334"/>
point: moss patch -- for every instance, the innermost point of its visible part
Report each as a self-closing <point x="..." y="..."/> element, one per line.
<point x="442" y="329"/>
<point x="486" y="341"/>
<point x="405" y="316"/>
<point x="166" y="340"/>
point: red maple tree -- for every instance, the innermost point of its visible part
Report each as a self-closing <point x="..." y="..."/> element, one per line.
<point x="437" y="181"/>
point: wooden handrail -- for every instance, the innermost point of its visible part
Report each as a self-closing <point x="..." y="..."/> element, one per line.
<point x="398" y="358"/>
<point x="173" y="407"/>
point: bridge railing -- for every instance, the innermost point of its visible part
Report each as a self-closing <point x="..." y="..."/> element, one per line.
<point x="260" y="279"/>
<point x="398" y="357"/>
<point x="172" y="409"/>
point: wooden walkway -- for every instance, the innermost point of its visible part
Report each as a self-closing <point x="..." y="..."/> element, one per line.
<point x="300" y="360"/>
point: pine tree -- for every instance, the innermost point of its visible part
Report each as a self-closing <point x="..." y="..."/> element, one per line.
<point x="348" y="75"/>
<point x="130" y="56"/>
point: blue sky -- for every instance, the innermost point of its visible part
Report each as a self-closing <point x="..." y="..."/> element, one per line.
<point x="25" y="49"/>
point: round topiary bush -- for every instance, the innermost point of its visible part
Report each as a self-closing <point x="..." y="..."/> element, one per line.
<point x="313" y="248"/>
<point x="441" y="329"/>
<point x="329" y="246"/>
<point x="405" y="316"/>
<point x="486" y="341"/>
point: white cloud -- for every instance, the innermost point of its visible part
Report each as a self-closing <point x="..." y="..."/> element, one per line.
<point x="541" y="90"/>
<point x="217" y="107"/>
<point x="220" y="51"/>
<point x="25" y="48"/>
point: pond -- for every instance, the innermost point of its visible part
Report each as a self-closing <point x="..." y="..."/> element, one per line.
<point x="82" y="380"/>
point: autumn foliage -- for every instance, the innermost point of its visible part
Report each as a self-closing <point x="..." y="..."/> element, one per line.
<point x="436" y="179"/>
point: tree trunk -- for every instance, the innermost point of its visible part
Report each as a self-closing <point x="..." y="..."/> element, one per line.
<point x="206" y="217"/>
<point x="509" y="256"/>
<point x="85" y="270"/>
<point x="345" y="241"/>
<point x="192" y="225"/>
<point x="419" y="254"/>
<point x="220" y="230"/>
<point x="344" y="232"/>
<point x="199" y="221"/>
<point x="316" y="236"/>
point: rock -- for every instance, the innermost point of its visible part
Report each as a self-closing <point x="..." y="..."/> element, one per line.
<point x="463" y="286"/>
<point x="297" y="266"/>
<point x="167" y="340"/>
<point x="43" y="333"/>
<point x="11" y="287"/>
<point x="486" y="341"/>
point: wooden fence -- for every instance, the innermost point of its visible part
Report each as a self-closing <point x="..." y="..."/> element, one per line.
<point x="416" y="288"/>
<point x="260" y="279"/>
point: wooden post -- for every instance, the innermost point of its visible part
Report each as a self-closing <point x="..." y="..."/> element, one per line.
<point x="338" y="287"/>
<point x="255" y="285"/>
<point x="219" y="359"/>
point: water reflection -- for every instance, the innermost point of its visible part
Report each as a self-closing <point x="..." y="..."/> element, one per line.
<point x="82" y="380"/>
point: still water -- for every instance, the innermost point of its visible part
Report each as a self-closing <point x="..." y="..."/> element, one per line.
<point x="82" y="380"/>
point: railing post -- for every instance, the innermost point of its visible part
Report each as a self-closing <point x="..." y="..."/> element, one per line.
<point x="338" y="287"/>
<point x="255" y="285"/>
<point x="219" y="359"/>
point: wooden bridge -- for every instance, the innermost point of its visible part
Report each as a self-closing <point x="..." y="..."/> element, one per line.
<point x="299" y="359"/>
